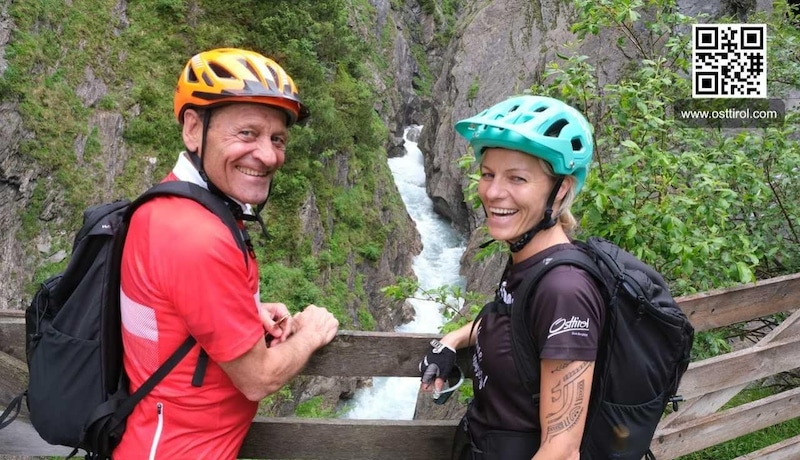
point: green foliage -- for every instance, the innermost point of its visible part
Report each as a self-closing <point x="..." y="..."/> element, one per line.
<point x="709" y="343"/>
<point x="282" y="395"/>
<point x="366" y="319"/>
<point x="472" y="92"/>
<point x="428" y="6"/>
<point x="288" y="285"/>
<point x="315" y="408"/>
<point x="343" y="206"/>
<point x="370" y="251"/>
<point x="458" y="306"/>
<point x="706" y="207"/>
<point x="471" y="197"/>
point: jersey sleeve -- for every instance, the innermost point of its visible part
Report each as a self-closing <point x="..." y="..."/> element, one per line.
<point x="567" y="315"/>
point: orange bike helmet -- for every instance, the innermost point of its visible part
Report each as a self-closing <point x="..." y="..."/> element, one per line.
<point x="226" y="75"/>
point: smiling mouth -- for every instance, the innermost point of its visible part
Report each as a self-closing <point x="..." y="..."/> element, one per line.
<point x="502" y="212"/>
<point x="251" y="172"/>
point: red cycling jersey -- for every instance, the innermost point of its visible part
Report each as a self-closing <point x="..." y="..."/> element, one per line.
<point x="183" y="274"/>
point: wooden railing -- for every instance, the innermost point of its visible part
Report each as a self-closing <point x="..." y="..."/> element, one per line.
<point x="707" y="386"/>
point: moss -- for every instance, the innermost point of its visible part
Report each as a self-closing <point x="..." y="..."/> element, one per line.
<point x="366" y="320"/>
<point x="315" y="408"/>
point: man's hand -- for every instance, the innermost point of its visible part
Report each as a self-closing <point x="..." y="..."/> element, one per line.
<point x="317" y="324"/>
<point x="277" y="320"/>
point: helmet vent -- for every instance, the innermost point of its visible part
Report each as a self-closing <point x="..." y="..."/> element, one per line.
<point x="577" y="145"/>
<point x="274" y="74"/>
<point x="540" y="109"/>
<point x="191" y="76"/>
<point x="555" y="129"/>
<point x="252" y="70"/>
<point x="510" y="111"/>
<point x="220" y="71"/>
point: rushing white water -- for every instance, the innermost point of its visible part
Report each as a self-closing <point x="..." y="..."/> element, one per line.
<point x="437" y="265"/>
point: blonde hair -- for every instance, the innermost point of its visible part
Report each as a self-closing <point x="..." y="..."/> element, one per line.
<point x="565" y="218"/>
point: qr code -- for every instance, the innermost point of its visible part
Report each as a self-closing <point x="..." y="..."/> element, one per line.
<point x="729" y="60"/>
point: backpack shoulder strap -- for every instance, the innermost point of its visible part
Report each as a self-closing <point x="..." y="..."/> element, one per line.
<point x="199" y="194"/>
<point x="120" y="406"/>
<point x="523" y="347"/>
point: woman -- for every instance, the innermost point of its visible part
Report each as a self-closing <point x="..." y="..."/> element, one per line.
<point x="534" y="154"/>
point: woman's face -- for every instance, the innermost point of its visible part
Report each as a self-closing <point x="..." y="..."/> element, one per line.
<point x="514" y="189"/>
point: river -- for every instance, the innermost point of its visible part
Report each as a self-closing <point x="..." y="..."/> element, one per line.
<point x="394" y="398"/>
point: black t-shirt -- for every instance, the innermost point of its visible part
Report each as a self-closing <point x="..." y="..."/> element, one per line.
<point x="566" y="315"/>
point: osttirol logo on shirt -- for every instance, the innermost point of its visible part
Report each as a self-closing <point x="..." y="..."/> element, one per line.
<point x="574" y="324"/>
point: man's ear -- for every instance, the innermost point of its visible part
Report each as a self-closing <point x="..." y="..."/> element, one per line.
<point x="192" y="130"/>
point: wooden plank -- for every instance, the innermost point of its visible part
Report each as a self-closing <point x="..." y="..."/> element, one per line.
<point x="739" y="367"/>
<point x="7" y="313"/>
<point x="365" y="354"/>
<point x="376" y="354"/>
<point x="788" y="448"/>
<point x="723" y="426"/>
<point x="300" y="438"/>
<point x="21" y="439"/>
<point x="351" y="353"/>
<point x="713" y="401"/>
<point x="13" y="379"/>
<point x="722" y="307"/>
<point x="343" y="439"/>
<point x="12" y="333"/>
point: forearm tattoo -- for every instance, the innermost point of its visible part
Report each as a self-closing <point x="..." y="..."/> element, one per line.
<point x="567" y="395"/>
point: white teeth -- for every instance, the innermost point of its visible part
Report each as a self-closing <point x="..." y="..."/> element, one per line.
<point x="251" y="172"/>
<point x="502" y="212"/>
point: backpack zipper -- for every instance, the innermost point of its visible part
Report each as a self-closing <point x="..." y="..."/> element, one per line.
<point x="159" y="428"/>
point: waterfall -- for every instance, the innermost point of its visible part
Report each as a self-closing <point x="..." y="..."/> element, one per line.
<point x="438" y="264"/>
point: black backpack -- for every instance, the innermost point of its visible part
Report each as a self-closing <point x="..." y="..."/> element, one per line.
<point x="77" y="393"/>
<point x="643" y="352"/>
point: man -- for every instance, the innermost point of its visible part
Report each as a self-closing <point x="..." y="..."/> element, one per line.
<point x="184" y="274"/>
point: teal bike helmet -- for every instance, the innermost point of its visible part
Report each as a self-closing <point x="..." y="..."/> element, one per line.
<point x="540" y="126"/>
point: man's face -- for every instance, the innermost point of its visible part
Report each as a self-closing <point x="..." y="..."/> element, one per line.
<point x="246" y="145"/>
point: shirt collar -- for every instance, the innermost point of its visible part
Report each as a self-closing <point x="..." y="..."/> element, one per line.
<point x="184" y="170"/>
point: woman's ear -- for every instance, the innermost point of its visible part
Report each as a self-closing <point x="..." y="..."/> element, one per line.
<point x="566" y="185"/>
<point x="192" y="130"/>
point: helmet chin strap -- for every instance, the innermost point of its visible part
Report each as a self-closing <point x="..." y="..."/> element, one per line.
<point x="235" y="208"/>
<point x="544" y="224"/>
